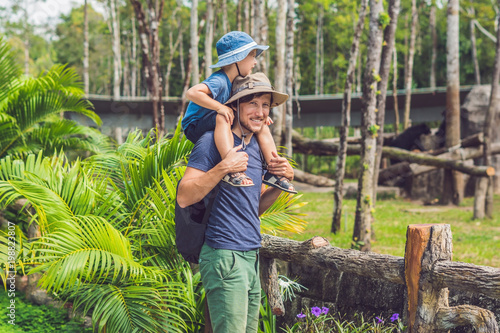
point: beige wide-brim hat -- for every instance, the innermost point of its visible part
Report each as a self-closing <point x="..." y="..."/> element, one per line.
<point x="252" y="84"/>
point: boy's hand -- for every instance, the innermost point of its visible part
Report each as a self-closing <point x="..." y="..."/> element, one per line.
<point x="227" y="113"/>
<point x="269" y="121"/>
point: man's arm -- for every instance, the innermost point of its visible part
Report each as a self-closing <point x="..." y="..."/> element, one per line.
<point x="278" y="166"/>
<point x="196" y="184"/>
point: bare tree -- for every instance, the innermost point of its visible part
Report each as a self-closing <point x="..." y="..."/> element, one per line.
<point x="409" y="67"/>
<point x="247" y="17"/>
<point x="279" y="76"/>
<point x="338" y="194"/>
<point x="172" y="47"/>
<point x="225" y="22"/>
<point x="385" y="68"/>
<point x="453" y="180"/>
<point x="195" y="68"/>
<point x="483" y="200"/>
<point x="150" y="46"/>
<point x="238" y="14"/>
<point x="85" y="48"/>
<point x="362" y="225"/>
<point x="472" y="14"/>
<point x="395" y="88"/>
<point x="319" y="51"/>
<point x="114" y="28"/>
<point x="289" y="79"/>
<point x="209" y="37"/>
<point x="135" y="64"/>
<point x="432" y="27"/>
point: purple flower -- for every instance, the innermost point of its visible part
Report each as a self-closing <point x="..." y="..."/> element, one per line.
<point x="379" y="321"/>
<point x="324" y="310"/>
<point x="301" y="315"/>
<point x="395" y="317"/>
<point x="316" y="311"/>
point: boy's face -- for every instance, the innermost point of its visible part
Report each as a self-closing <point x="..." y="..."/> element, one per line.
<point x="247" y="64"/>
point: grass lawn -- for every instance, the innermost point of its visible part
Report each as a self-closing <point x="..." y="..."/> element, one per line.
<point x="476" y="242"/>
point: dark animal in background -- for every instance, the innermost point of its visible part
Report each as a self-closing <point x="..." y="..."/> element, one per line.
<point x="410" y="139"/>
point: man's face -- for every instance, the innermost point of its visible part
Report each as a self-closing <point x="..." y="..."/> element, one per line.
<point x="255" y="112"/>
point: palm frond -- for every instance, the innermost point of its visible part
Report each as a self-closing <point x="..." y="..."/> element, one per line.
<point x="281" y="216"/>
<point x="9" y="70"/>
<point x="133" y="307"/>
<point x="92" y="251"/>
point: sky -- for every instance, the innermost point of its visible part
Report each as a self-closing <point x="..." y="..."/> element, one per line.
<point x="49" y="11"/>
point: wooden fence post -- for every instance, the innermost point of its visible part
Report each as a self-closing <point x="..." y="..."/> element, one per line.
<point x="428" y="311"/>
<point x="270" y="284"/>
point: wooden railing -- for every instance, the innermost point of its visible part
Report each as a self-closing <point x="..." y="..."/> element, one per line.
<point x="426" y="270"/>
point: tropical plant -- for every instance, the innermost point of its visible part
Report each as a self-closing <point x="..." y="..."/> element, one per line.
<point x="32" y="109"/>
<point x="107" y="233"/>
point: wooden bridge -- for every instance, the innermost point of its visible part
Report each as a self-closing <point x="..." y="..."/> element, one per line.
<point x="315" y="110"/>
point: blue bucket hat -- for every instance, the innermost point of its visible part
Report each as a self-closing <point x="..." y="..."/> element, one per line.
<point x="235" y="46"/>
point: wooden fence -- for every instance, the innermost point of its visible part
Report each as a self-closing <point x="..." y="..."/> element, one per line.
<point x="426" y="270"/>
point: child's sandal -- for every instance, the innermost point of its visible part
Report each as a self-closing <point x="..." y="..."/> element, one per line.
<point x="236" y="179"/>
<point x="279" y="182"/>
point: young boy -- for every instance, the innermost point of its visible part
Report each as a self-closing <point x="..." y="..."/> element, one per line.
<point x="237" y="52"/>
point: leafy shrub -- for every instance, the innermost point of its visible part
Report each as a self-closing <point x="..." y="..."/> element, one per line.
<point x="37" y="318"/>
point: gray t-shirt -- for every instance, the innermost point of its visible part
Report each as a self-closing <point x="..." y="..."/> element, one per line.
<point x="234" y="222"/>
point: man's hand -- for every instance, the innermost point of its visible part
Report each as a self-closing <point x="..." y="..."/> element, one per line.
<point x="227" y="113"/>
<point x="280" y="166"/>
<point x="235" y="160"/>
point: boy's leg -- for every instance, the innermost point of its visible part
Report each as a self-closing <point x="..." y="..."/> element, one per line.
<point x="267" y="146"/>
<point x="223" y="137"/>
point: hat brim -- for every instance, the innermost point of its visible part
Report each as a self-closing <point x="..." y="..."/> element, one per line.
<point x="278" y="98"/>
<point x="240" y="56"/>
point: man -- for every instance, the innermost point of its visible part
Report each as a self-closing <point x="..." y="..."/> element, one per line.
<point x="229" y="259"/>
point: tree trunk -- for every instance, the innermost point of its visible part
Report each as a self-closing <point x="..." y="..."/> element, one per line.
<point x="195" y="69"/>
<point x="409" y="67"/>
<point x="491" y="113"/>
<point x="432" y="27"/>
<point x="238" y="14"/>
<point x="362" y="225"/>
<point x="148" y="30"/>
<point x="338" y="194"/>
<point x="209" y="37"/>
<point x="385" y="68"/>
<point x="26" y="41"/>
<point x="172" y="48"/>
<point x="395" y="88"/>
<point x="225" y="23"/>
<point x="289" y="79"/>
<point x="247" y="15"/>
<point x="319" y="34"/>
<point x="453" y="181"/>
<point x="116" y="48"/>
<point x="279" y="75"/>
<point x="477" y="74"/>
<point x="135" y="64"/>
<point x="126" y="68"/>
<point x="85" y="49"/>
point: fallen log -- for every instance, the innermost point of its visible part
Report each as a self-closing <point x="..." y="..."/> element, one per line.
<point x="473" y="140"/>
<point x="324" y="148"/>
<point x="311" y="179"/>
<point x="318" y="252"/>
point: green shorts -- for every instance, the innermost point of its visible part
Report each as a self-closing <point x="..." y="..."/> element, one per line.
<point x="232" y="285"/>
